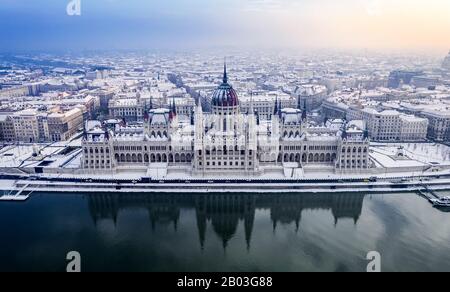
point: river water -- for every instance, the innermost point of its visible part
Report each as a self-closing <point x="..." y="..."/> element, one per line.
<point x="214" y="232"/>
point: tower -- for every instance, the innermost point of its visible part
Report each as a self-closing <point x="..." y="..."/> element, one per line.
<point x="199" y="128"/>
<point x="225" y="104"/>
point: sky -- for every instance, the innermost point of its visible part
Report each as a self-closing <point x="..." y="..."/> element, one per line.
<point x="192" y="24"/>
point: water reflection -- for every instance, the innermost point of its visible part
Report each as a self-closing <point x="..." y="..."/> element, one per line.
<point x="224" y="212"/>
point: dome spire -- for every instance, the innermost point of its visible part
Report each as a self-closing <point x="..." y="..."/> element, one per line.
<point x="225" y="76"/>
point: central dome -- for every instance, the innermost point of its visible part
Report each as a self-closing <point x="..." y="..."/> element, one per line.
<point x="225" y="95"/>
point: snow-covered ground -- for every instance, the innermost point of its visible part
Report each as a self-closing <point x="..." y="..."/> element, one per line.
<point x="390" y="160"/>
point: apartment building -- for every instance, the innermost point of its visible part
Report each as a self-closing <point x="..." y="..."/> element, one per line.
<point x="439" y="125"/>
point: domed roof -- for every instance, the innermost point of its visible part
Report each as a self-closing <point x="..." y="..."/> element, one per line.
<point x="225" y="95"/>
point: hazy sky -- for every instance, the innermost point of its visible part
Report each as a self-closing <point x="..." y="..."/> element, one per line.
<point x="186" y="24"/>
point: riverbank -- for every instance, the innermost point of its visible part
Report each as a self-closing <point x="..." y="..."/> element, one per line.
<point x="231" y="186"/>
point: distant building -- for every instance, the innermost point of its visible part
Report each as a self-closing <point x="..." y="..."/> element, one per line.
<point x="425" y="81"/>
<point x="264" y="105"/>
<point x="32" y="126"/>
<point x="446" y="63"/>
<point x="7" y="133"/>
<point x="334" y="110"/>
<point x="413" y="128"/>
<point x="310" y="96"/>
<point x="98" y="74"/>
<point x="439" y="125"/>
<point x="399" y="77"/>
<point x="26" y="126"/>
<point x="129" y="109"/>
<point x="15" y="91"/>
<point x="62" y="126"/>
<point x="390" y="125"/>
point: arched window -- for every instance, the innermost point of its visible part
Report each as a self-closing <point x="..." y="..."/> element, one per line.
<point x="316" y="158"/>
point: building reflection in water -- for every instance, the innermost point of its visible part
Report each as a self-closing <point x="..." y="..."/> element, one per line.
<point x="225" y="211"/>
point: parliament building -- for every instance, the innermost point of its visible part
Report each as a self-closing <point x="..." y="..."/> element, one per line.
<point x="227" y="142"/>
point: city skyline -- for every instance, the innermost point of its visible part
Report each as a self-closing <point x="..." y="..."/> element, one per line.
<point x="263" y="24"/>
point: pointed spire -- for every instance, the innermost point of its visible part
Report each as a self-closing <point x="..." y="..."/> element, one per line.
<point x="146" y="114"/>
<point x="225" y="76"/>
<point x="170" y="113"/>
<point x="252" y="111"/>
<point x="275" y="111"/>
<point x="174" y="107"/>
<point x="199" y="105"/>
<point x="279" y="110"/>
<point x="304" y="115"/>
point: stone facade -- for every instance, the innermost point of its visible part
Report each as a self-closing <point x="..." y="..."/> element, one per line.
<point x="227" y="142"/>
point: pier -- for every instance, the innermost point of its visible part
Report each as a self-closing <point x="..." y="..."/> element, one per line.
<point x="19" y="196"/>
<point x="430" y="195"/>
